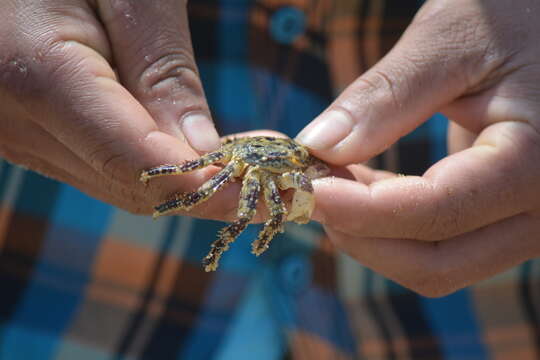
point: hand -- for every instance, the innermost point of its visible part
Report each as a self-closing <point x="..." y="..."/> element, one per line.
<point x="473" y="214"/>
<point x="93" y="92"/>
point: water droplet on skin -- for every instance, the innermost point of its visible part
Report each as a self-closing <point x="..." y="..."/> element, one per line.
<point x="130" y="19"/>
<point x="20" y="67"/>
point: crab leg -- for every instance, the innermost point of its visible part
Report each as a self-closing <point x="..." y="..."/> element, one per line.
<point x="188" y="166"/>
<point x="188" y="200"/>
<point x="303" y="201"/>
<point x="249" y="195"/>
<point x="278" y="213"/>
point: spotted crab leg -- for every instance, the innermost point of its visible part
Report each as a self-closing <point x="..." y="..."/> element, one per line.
<point x="278" y="214"/>
<point x="303" y="201"/>
<point x="188" y="166"/>
<point x="249" y="195"/>
<point x="188" y="200"/>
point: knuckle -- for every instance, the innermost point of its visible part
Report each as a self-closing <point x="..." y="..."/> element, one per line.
<point x="33" y="52"/>
<point x="388" y="83"/>
<point x="27" y="75"/>
<point x="434" y="275"/>
<point x="381" y="83"/>
<point x="20" y="78"/>
<point x="170" y="75"/>
<point x="432" y="288"/>
<point x="114" y="165"/>
<point x="434" y="284"/>
<point x="63" y="62"/>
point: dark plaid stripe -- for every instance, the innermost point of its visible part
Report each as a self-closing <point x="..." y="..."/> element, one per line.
<point x="423" y="343"/>
<point x="24" y="240"/>
<point x="375" y="311"/>
<point x="136" y="321"/>
<point x="530" y="292"/>
<point x="5" y="171"/>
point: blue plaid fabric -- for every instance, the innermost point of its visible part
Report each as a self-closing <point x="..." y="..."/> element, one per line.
<point x="81" y="280"/>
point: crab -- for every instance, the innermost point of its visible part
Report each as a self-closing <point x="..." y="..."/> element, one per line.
<point x="266" y="165"/>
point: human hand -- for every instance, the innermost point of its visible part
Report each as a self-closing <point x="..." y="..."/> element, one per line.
<point x="93" y="92"/>
<point x="476" y="212"/>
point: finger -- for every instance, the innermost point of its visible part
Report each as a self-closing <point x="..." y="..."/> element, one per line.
<point x="93" y="185"/>
<point x="154" y="57"/>
<point x="365" y="175"/>
<point x="491" y="181"/>
<point x="428" y="68"/>
<point x="438" y="269"/>
<point x="24" y="136"/>
<point x="27" y="144"/>
<point x="459" y="138"/>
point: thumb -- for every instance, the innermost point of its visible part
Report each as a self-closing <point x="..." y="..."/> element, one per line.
<point x="424" y="71"/>
<point x="151" y="44"/>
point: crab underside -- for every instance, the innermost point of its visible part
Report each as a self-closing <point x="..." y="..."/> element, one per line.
<point x="266" y="166"/>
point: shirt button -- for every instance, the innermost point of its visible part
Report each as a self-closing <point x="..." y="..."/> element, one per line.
<point x="287" y="24"/>
<point x="295" y="273"/>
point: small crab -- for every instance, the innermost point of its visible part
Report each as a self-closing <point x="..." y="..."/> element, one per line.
<point x="266" y="165"/>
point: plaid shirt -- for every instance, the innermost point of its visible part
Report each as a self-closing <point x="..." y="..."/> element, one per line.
<point x="80" y="279"/>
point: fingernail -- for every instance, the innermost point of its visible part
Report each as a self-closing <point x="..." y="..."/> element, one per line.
<point x="326" y="131"/>
<point x="200" y="132"/>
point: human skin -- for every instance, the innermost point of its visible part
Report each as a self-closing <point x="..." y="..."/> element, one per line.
<point x="476" y="212"/>
<point x="93" y="92"/>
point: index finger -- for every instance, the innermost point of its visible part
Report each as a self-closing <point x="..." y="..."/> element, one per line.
<point x="493" y="180"/>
